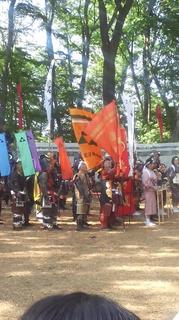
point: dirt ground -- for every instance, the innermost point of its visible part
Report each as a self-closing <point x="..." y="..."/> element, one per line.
<point x="138" y="268"/>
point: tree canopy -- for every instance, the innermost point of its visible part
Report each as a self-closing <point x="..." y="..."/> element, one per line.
<point x="103" y="50"/>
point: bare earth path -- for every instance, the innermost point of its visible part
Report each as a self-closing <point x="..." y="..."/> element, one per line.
<point x="138" y="268"/>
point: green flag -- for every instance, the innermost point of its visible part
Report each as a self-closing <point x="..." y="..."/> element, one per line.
<point x="25" y="154"/>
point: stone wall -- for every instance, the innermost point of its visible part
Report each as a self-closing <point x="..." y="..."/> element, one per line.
<point x="167" y="150"/>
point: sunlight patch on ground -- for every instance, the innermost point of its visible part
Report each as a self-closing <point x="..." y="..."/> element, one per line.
<point x="143" y="268"/>
<point x="174" y="238"/>
<point x="165" y="254"/>
<point x="7" y="309"/>
<point x="141" y="285"/>
<point x="19" y="274"/>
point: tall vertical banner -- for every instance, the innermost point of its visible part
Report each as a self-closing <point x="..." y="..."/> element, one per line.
<point x="33" y="150"/>
<point x="66" y="169"/>
<point x="4" y="158"/>
<point x="25" y="154"/>
<point x="20" y="113"/>
<point x="160" y="121"/>
<point x="130" y="128"/>
<point x="90" y="152"/>
<point x="48" y="94"/>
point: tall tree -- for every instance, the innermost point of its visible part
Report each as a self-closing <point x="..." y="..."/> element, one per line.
<point x="111" y="43"/>
<point x="7" y="63"/>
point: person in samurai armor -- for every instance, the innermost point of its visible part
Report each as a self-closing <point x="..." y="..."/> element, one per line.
<point x="49" y="197"/>
<point x="82" y="187"/>
<point x="107" y="176"/>
<point x="17" y="183"/>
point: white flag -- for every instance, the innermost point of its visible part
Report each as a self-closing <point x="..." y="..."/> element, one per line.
<point x="130" y="122"/>
<point x="48" y="94"/>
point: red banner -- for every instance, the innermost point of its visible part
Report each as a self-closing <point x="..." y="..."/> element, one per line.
<point x="66" y="169"/>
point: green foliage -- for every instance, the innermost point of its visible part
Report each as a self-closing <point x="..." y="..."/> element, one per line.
<point x="31" y="67"/>
<point x="150" y="133"/>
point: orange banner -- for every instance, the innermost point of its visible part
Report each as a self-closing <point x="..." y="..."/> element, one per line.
<point x="90" y="152"/>
<point x="66" y="169"/>
<point x="106" y="131"/>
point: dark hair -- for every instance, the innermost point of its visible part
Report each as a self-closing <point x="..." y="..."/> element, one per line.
<point x="149" y="161"/>
<point x="77" y="306"/>
<point x="174" y="158"/>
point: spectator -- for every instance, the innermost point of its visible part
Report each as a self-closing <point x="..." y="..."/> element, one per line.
<point x="77" y="306"/>
<point x="149" y="181"/>
<point x="173" y="175"/>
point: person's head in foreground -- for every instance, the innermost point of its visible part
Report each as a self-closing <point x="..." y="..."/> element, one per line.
<point x="77" y="306"/>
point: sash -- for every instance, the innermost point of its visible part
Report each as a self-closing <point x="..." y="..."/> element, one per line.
<point x="33" y="150"/>
<point x="25" y="155"/>
<point x="4" y="158"/>
<point x="36" y="193"/>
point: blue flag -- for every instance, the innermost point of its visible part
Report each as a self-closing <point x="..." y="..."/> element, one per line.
<point x="4" y="158"/>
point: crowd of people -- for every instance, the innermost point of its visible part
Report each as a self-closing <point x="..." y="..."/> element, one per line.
<point x="119" y="196"/>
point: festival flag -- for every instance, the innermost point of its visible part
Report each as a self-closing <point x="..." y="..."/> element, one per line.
<point x="25" y="154"/>
<point x="20" y="113"/>
<point x="124" y="157"/>
<point x="66" y="169"/>
<point x="4" y="158"/>
<point x="48" y="94"/>
<point x="90" y="152"/>
<point x="130" y="128"/>
<point x="104" y="129"/>
<point x="159" y="120"/>
<point x="33" y="150"/>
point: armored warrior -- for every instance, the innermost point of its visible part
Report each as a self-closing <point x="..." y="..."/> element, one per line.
<point x="17" y="183"/>
<point x="82" y="186"/>
<point x="49" y="197"/>
<point x="106" y="176"/>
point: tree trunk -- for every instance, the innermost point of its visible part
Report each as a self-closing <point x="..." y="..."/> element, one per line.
<point x="85" y="52"/>
<point x="134" y="77"/>
<point x="175" y="135"/>
<point x="146" y="59"/>
<point x="5" y="73"/>
<point x="108" y="78"/>
<point x="70" y="70"/>
<point x="110" y="44"/>
<point x="146" y="83"/>
<point x="50" y="10"/>
<point x="121" y="85"/>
